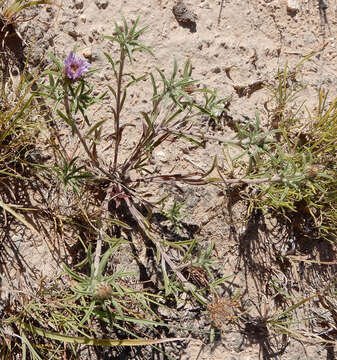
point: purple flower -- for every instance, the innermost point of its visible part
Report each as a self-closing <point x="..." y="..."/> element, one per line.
<point x="75" y="66"/>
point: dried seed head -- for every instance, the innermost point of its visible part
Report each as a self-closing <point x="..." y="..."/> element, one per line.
<point x="103" y="291"/>
<point x="222" y="310"/>
<point x="190" y="89"/>
<point x="313" y="170"/>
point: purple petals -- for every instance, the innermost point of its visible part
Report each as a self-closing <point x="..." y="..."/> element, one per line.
<point x="75" y="66"/>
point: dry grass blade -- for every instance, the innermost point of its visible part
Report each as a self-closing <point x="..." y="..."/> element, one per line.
<point x="93" y="341"/>
<point x="16" y="6"/>
<point x="19" y="217"/>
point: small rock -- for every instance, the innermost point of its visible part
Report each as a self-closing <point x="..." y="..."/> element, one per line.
<point x="87" y="53"/>
<point x="309" y="39"/>
<point x="184" y="16"/>
<point x="102" y="4"/>
<point x="293" y="7"/>
<point x="83" y="19"/>
<point x="205" y="6"/>
<point x="96" y="55"/>
<point x="161" y="156"/>
<point x="216" y="70"/>
<point x="70" y="29"/>
<point x="93" y="54"/>
<point x="79" y="4"/>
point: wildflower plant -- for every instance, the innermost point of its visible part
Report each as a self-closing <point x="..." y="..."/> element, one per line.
<point x="122" y="210"/>
<point x="70" y="91"/>
<point x="281" y="167"/>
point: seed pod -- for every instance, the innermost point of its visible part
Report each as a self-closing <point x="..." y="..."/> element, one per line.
<point x="313" y="170"/>
<point x="103" y="291"/>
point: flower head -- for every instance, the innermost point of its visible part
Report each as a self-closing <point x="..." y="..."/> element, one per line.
<point x="75" y="66"/>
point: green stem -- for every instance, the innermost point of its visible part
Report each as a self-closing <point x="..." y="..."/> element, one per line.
<point x="82" y="139"/>
<point x="77" y="131"/>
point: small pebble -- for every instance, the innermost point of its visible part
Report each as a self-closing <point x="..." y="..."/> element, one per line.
<point x="79" y="4"/>
<point x="293" y="6"/>
<point x="216" y="70"/>
<point x="102" y="4"/>
<point x="70" y="29"/>
<point x="87" y="53"/>
<point x="161" y="156"/>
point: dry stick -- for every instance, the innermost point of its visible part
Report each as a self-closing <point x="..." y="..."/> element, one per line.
<point x="98" y="250"/>
<point x="217" y="138"/>
<point x="219" y="17"/>
<point x="273" y="179"/>
<point x="85" y="146"/>
<point x="106" y="200"/>
<point x="103" y="228"/>
<point x="186" y="284"/>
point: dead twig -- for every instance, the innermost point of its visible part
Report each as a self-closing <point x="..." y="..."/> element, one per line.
<point x="203" y="136"/>
<point x="103" y="227"/>
<point x="220" y="12"/>
<point x="322" y="7"/>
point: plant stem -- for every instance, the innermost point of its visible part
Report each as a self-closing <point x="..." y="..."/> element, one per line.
<point x="82" y="140"/>
<point x="118" y="107"/>
<point x="218" y="138"/>
<point x="77" y="131"/>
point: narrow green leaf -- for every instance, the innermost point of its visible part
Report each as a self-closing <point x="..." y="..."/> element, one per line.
<point x="123" y="99"/>
<point x="55" y="61"/>
<point x="64" y="117"/>
<point x="88" y="313"/>
<point x="175" y="70"/>
<point x="120" y="223"/>
<point x="155" y="92"/>
<point x="72" y="273"/>
<point x="113" y="91"/>
<point x="94" y="127"/>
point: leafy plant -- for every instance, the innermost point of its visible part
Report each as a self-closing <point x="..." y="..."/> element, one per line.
<point x="287" y="166"/>
<point x="11" y="10"/>
<point x="97" y="294"/>
<point x="70" y="174"/>
<point x="174" y="215"/>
